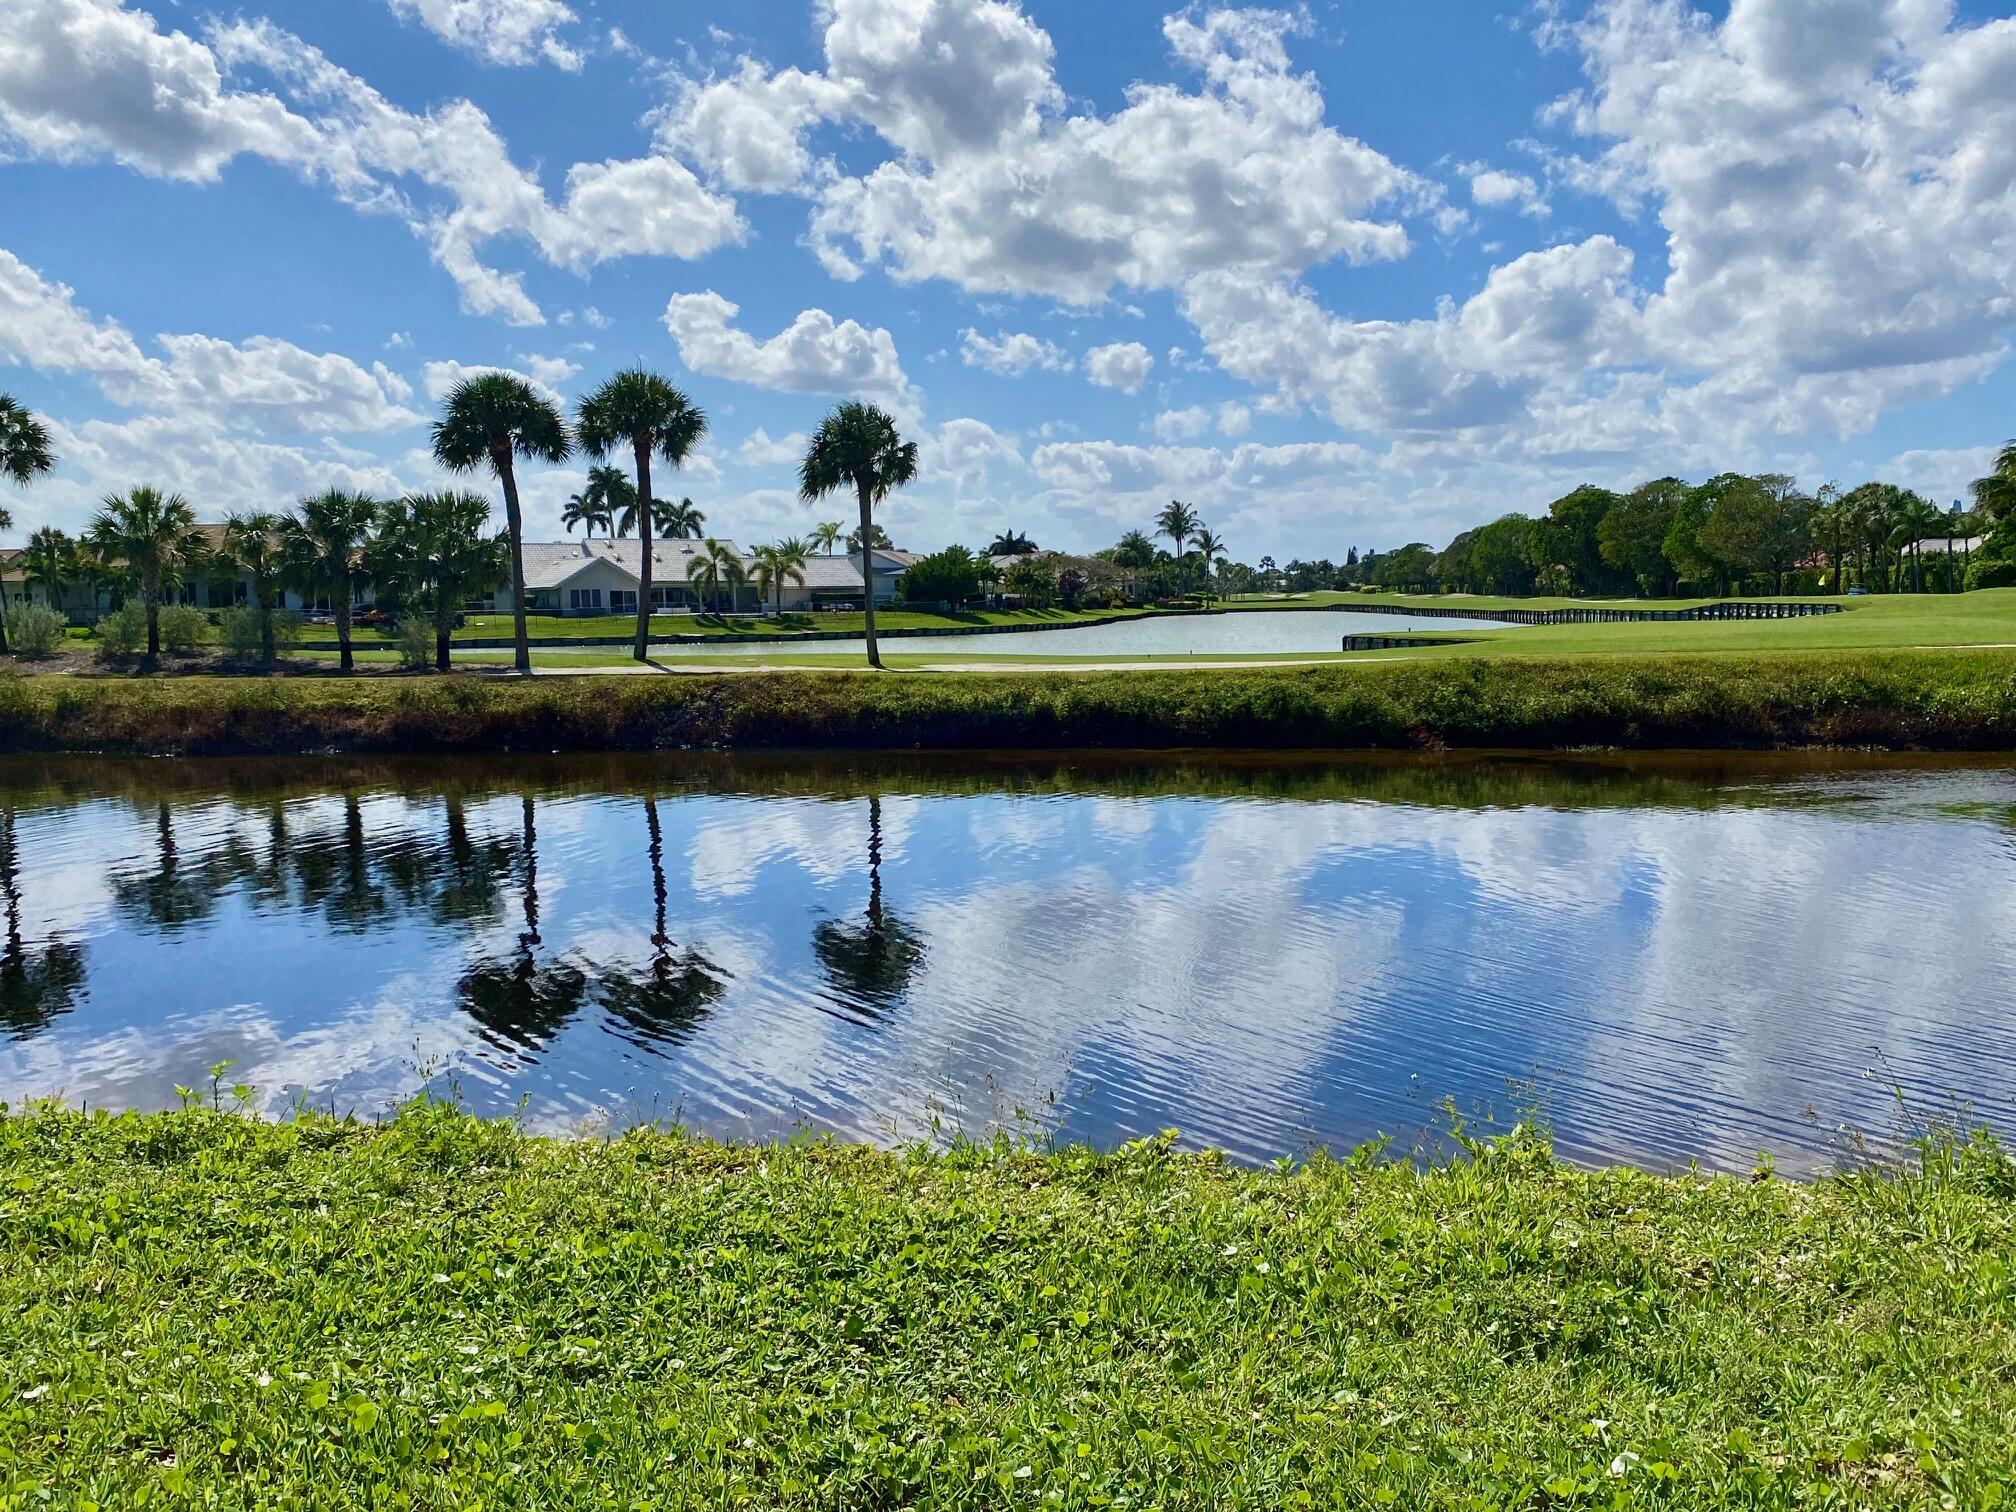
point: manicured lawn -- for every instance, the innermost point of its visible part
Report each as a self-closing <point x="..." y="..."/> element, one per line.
<point x="203" y="1310"/>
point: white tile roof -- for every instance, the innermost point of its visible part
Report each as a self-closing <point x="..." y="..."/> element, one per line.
<point x="549" y="564"/>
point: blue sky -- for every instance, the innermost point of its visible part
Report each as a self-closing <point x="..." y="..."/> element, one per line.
<point x="1353" y="274"/>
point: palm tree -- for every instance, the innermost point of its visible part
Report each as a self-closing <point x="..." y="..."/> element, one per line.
<point x="1010" y="543"/>
<point x="25" y="454"/>
<point x="870" y="964"/>
<point x="826" y="535"/>
<point x="857" y="446"/>
<point x="490" y="420"/>
<point x="611" y="493"/>
<point x="656" y="420"/>
<point x="48" y="562"/>
<point x="326" y="538"/>
<point x="717" y="565"/>
<point x="682" y="521"/>
<point x="442" y="543"/>
<point x="1994" y="495"/>
<point x="256" y="544"/>
<point x="580" y="509"/>
<point x="1212" y="549"/>
<point x="1917" y="518"/>
<point x="1179" y="522"/>
<point x="778" y="565"/>
<point x="155" y="536"/>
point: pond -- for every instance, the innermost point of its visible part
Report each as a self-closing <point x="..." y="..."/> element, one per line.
<point x="1669" y="959"/>
<point x="1245" y="632"/>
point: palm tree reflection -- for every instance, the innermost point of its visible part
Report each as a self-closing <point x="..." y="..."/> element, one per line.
<point x="36" y="986"/>
<point x="666" y="1002"/>
<point x="870" y="964"/>
<point x="523" y="1003"/>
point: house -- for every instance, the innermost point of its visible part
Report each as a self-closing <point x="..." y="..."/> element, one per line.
<point x="571" y="578"/>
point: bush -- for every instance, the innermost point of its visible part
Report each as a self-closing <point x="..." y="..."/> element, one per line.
<point x="182" y="627"/>
<point x="239" y="629"/>
<point x="34" y="630"/>
<point x="122" y="632"/>
<point x="1992" y="573"/>
<point x="416" y="644"/>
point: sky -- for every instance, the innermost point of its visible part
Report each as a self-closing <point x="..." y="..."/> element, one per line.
<point x="1350" y="274"/>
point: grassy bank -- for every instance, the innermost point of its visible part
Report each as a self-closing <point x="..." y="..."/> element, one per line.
<point x="199" y="1309"/>
<point x="1944" y="700"/>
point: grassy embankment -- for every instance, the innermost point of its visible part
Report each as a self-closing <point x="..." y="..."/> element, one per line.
<point x="198" y="1309"/>
<point x="1946" y="700"/>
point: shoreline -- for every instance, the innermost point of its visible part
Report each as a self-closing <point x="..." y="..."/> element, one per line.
<point x="1945" y="700"/>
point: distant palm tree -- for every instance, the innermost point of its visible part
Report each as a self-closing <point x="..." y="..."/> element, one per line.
<point x="857" y="446"/>
<point x="1211" y="548"/>
<point x="255" y="544"/>
<point x="1918" y="519"/>
<point x="1010" y="543"/>
<point x="326" y="538"/>
<point x="1179" y="522"/>
<point x="490" y="420"/>
<point x="655" y="419"/>
<point x="717" y="566"/>
<point x="778" y="565"/>
<point x="614" y="496"/>
<point x="1995" y="495"/>
<point x="155" y="536"/>
<point x="25" y="454"/>
<point x="682" y="521"/>
<point x="583" y="510"/>
<point x="442" y="542"/>
<point x="826" y="535"/>
<point x="48" y="562"/>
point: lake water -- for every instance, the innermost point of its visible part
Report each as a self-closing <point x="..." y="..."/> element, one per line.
<point x="1246" y="632"/>
<point x="1672" y="958"/>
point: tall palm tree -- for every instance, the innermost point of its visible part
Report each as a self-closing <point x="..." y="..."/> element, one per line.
<point x="1917" y="519"/>
<point x="1010" y="543"/>
<point x="443" y="544"/>
<point x="778" y="565"/>
<point x="155" y="536"/>
<point x="326" y="540"/>
<point x="683" y="521"/>
<point x="1211" y="548"/>
<point x="25" y="454"/>
<point x="48" y="562"/>
<point x="857" y="446"/>
<point x="826" y="535"/>
<point x="580" y="509"/>
<point x="491" y="420"/>
<point x="256" y="544"/>
<point x="642" y="409"/>
<point x="1179" y="522"/>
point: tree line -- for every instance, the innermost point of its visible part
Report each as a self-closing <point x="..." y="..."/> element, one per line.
<point x="435" y="551"/>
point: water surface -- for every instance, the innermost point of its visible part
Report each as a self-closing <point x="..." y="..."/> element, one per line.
<point x="1675" y="959"/>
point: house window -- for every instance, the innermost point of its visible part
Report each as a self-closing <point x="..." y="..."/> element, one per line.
<point x="622" y="600"/>
<point x="584" y="598"/>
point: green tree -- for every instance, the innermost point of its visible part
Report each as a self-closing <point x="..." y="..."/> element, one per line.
<point x="950" y="577"/>
<point x="1211" y="550"/>
<point x="1501" y="556"/>
<point x="326" y="537"/>
<point x="857" y="446"/>
<point x="682" y="521"/>
<point x="778" y="565"/>
<point x="1135" y="552"/>
<point x="1632" y="534"/>
<point x="1995" y="495"/>
<point x="491" y="420"/>
<point x="583" y="509"/>
<point x="1917" y="519"/>
<point x="155" y="536"/>
<point x="715" y="568"/>
<point x="826" y="535"/>
<point x="639" y="409"/>
<point x="49" y="561"/>
<point x="1011" y="543"/>
<point x="1575" y="538"/>
<point x="1412" y="566"/>
<point x="25" y="454"/>
<point x="439" y="546"/>
<point x="1179" y="522"/>
<point x="254" y="543"/>
<point x="1761" y="526"/>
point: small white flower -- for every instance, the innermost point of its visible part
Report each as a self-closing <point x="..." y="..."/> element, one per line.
<point x="35" y="1393"/>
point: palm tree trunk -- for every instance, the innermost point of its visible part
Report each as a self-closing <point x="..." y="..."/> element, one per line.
<point x="268" y="651"/>
<point x="868" y="576"/>
<point x="150" y="597"/>
<point x="642" y="445"/>
<point x="3" y="619"/>
<point x="346" y="660"/>
<point x="514" y="521"/>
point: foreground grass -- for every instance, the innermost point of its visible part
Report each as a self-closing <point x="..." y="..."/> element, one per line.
<point x="1943" y="700"/>
<point x="201" y="1309"/>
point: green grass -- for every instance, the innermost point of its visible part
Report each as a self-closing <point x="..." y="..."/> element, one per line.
<point x="204" y="1310"/>
<point x="1947" y="700"/>
<point x="492" y="626"/>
